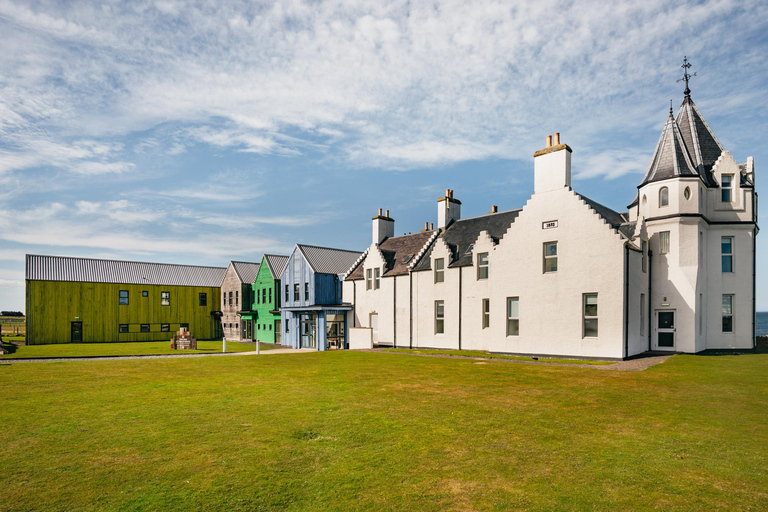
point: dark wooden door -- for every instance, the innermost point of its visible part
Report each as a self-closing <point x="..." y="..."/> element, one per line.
<point x="77" y="332"/>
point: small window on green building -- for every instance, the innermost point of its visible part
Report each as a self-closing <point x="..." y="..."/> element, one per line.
<point x="165" y="298"/>
<point x="123" y="297"/>
<point x="144" y="327"/>
<point x="184" y="325"/>
<point x="203" y="299"/>
<point x="165" y="327"/>
<point x="270" y="296"/>
<point x="145" y="293"/>
<point x="123" y="328"/>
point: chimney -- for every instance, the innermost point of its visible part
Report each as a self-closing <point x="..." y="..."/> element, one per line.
<point x="448" y="209"/>
<point x="426" y="227"/>
<point x="383" y="227"/>
<point x="431" y="226"/>
<point x="552" y="166"/>
<point x="494" y="209"/>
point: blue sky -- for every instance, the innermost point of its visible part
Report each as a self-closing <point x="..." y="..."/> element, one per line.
<point x="197" y="133"/>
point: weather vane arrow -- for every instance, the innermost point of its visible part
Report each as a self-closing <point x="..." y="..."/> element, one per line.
<point x="686" y="76"/>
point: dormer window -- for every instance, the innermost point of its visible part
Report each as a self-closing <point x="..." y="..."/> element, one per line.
<point x="469" y="249"/>
<point x="726" y="188"/>
<point x="664" y="197"/>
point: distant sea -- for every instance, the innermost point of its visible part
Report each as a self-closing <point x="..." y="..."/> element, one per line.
<point x="762" y="323"/>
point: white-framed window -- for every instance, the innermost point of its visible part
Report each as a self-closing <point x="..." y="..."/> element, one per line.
<point x="644" y="246"/>
<point x="513" y="316"/>
<point x="664" y="242"/>
<point x="123" y="328"/>
<point x="439" y="317"/>
<point x="165" y="298"/>
<point x="376" y="278"/>
<point x="123" y="297"/>
<point x="165" y="327"/>
<point x="726" y="188"/>
<point x="368" y="279"/>
<point x="224" y="296"/>
<point x="687" y="193"/>
<point x="296" y="292"/>
<point x="550" y="257"/>
<point x="287" y="293"/>
<point x="664" y="197"/>
<point x="590" y="315"/>
<point x="482" y="265"/>
<point x="727" y="313"/>
<point x="144" y="328"/>
<point x="306" y="291"/>
<point x="642" y="314"/>
<point x="486" y="313"/>
<point x="439" y="270"/>
<point x="726" y="251"/>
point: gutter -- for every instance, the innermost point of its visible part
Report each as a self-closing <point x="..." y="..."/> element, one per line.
<point x="394" y="310"/>
<point x="650" y="301"/>
<point x="460" y="272"/>
<point x="626" y="300"/>
<point x="410" y="309"/>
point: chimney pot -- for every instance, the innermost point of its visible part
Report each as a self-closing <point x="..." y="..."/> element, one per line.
<point x="557" y="139"/>
<point x="549" y="141"/>
<point x="431" y="225"/>
<point x="379" y="211"/>
<point x="387" y="215"/>
<point x="494" y="209"/>
<point x="447" y="193"/>
<point x="426" y="226"/>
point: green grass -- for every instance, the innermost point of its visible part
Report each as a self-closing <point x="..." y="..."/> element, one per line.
<point x="487" y="355"/>
<point x="369" y="431"/>
<point x="120" y="349"/>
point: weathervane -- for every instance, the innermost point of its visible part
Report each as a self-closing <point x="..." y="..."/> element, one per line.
<point x="686" y="76"/>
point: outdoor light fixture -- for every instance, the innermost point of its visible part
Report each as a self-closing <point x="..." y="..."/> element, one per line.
<point x="664" y="302"/>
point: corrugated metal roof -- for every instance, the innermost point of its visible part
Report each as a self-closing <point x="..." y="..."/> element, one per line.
<point x="88" y="270"/>
<point x="324" y="260"/>
<point x="246" y="271"/>
<point x="276" y="264"/>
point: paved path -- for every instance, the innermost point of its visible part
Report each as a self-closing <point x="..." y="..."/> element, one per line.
<point x="632" y="365"/>
<point x="150" y="356"/>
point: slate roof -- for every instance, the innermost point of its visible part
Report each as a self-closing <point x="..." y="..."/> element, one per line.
<point x="671" y="158"/>
<point x="325" y="260"/>
<point x="276" y="264"/>
<point x="703" y="146"/>
<point x="614" y="219"/>
<point x="88" y="270"/>
<point x="396" y="250"/>
<point x="246" y="271"/>
<point x="462" y="233"/>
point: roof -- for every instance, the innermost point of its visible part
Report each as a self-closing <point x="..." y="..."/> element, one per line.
<point x="671" y="158"/>
<point x="616" y="220"/>
<point x="462" y="233"/>
<point x="276" y="264"/>
<point x="246" y="271"/>
<point x="398" y="252"/>
<point x="325" y="260"/>
<point x="703" y="146"/>
<point x="88" y="270"/>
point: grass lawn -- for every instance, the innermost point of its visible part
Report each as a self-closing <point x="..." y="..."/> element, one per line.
<point x="120" y="349"/>
<point x="370" y="431"/>
<point x="487" y="355"/>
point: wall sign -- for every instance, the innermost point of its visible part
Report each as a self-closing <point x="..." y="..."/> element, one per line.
<point x="549" y="224"/>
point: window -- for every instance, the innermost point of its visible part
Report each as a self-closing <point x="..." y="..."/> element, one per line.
<point x="296" y="292"/>
<point x="144" y="327"/>
<point x="376" y="278"/>
<point x="439" y="317"/>
<point x="230" y="298"/>
<point x="642" y="314"/>
<point x="165" y="327"/>
<point x="123" y="327"/>
<point x="286" y="325"/>
<point x="123" y="297"/>
<point x="237" y="299"/>
<point x="439" y="270"/>
<point x="203" y="299"/>
<point x="550" y="257"/>
<point x="258" y="297"/>
<point x="664" y="196"/>
<point x="306" y="291"/>
<point x="726" y="188"/>
<point x="645" y="256"/>
<point x="727" y="313"/>
<point x="513" y="316"/>
<point x="664" y="242"/>
<point x="145" y="293"/>
<point x="726" y="249"/>
<point x="287" y="293"/>
<point x="186" y="326"/>
<point x="165" y="298"/>
<point x="687" y="193"/>
<point x="482" y="265"/>
<point x="486" y="313"/>
<point x="590" y="315"/>
<point x="369" y="279"/>
<point x="264" y="295"/>
<point x="224" y="295"/>
<point x="270" y="327"/>
<point x="270" y="296"/>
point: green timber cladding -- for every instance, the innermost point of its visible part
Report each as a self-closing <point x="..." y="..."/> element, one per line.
<point x="92" y="300"/>
<point x="266" y="302"/>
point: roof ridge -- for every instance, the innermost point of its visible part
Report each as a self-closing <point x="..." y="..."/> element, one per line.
<point x="327" y="248"/>
<point x="490" y="214"/>
<point x="123" y="261"/>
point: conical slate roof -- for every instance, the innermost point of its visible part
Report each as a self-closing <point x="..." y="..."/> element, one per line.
<point x="701" y="142"/>
<point x="671" y="158"/>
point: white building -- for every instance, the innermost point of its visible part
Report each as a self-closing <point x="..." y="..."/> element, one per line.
<point x="565" y="275"/>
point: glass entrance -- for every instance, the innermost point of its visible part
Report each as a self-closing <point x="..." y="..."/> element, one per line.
<point x="308" y="329"/>
<point x="278" y="333"/>
<point x="247" y="330"/>
<point x="335" y="332"/>
<point x="665" y="331"/>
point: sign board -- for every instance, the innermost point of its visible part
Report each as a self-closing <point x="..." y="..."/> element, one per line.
<point x="549" y="224"/>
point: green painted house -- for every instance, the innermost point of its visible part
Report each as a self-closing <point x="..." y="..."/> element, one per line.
<point x="265" y="308"/>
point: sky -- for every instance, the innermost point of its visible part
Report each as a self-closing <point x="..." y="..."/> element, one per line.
<point x="204" y="132"/>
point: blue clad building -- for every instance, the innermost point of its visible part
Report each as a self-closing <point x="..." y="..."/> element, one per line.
<point x="313" y="313"/>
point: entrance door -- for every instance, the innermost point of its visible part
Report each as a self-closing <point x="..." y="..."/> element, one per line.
<point x="278" y="333"/>
<point x="665" y="329"/>
<point x="308" y="330"/>
<point x="375" y="327"/>
<point x="335" y="332"/>
<point x="76" y="332"/>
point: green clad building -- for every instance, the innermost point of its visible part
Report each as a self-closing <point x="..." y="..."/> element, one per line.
<point x="266" y="299"/>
